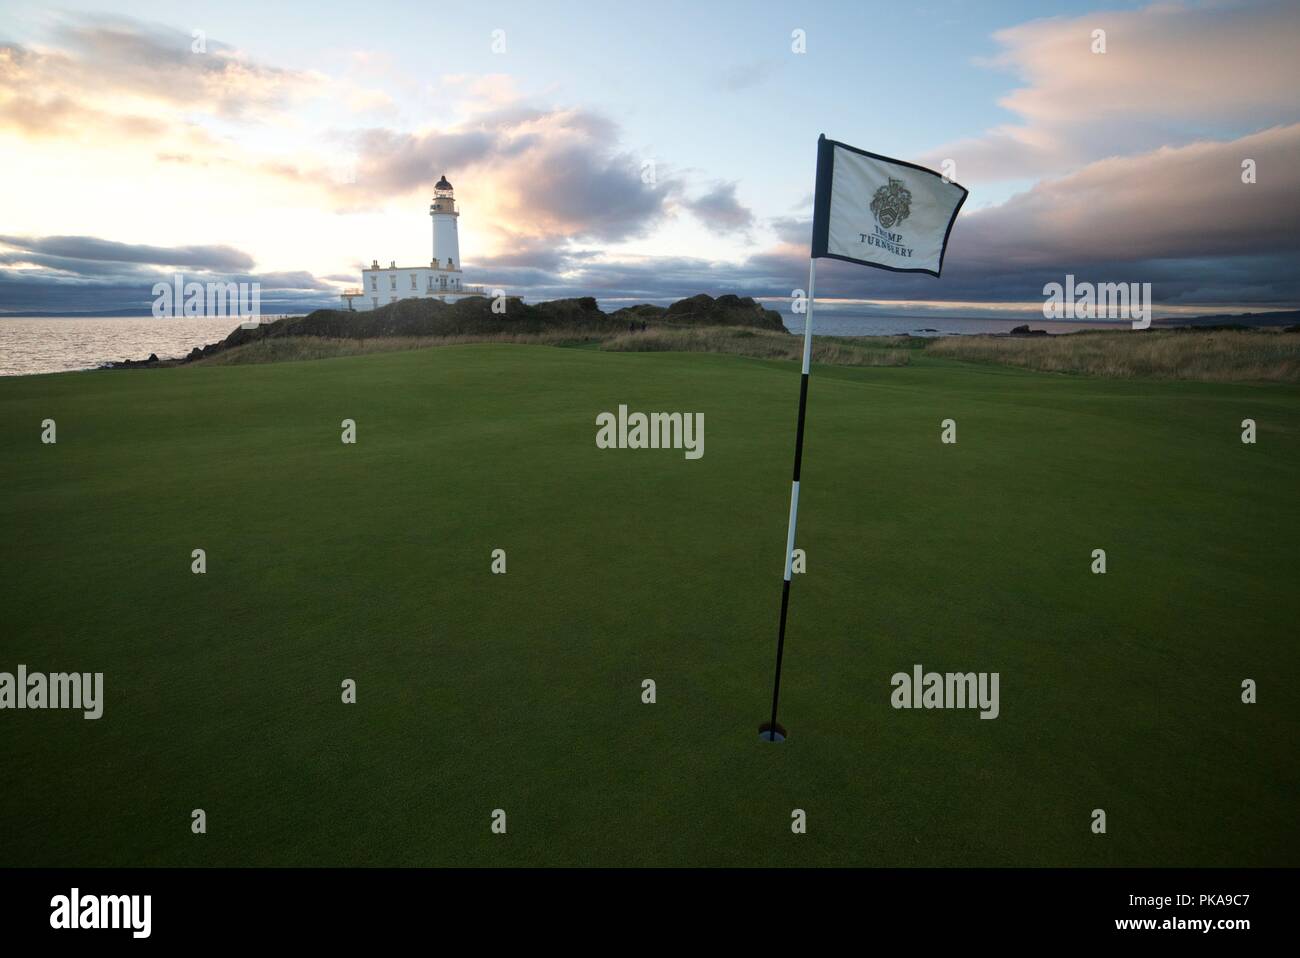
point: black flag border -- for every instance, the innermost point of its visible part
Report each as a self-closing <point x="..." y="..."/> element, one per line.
<point x="822" y="205"/>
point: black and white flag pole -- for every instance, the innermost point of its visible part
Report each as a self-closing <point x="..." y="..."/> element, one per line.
<point x="875" y="211"/>
<point x="773" y="732"/>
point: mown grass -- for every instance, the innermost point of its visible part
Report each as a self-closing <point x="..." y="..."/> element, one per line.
<point x="523" y="691"/>
<point x="759" y="344"/>
<point x="1218" y="356"/>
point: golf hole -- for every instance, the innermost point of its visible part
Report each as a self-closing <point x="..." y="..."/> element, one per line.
<point x="766" y="733"/>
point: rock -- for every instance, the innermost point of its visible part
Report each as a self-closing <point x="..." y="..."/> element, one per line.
<point x="726" y="310"/>
<point x="703" y="310"/>
<point x="643" y="313"/>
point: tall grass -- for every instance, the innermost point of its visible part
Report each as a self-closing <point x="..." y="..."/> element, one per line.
<point x="1219" y="356"/>
<point x="758" y="344"/>
<point x="281" y="349"/>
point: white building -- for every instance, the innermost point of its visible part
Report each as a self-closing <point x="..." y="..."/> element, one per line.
<point x="441" y="279"/>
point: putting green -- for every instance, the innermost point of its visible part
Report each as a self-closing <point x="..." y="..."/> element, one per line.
<point x="523" y="691"/>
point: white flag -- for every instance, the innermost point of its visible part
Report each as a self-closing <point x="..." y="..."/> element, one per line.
<point x="876" y="211"/>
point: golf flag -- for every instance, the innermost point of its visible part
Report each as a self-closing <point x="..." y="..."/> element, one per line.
<point x="880" y="212"/>
<point x="876" y="211"/>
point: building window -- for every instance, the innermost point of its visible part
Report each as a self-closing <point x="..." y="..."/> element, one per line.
<point x="413" y="286"/>
<point x="375" y="301"/>
<point x="374" y="281"/>
<point x="392" y="281"/>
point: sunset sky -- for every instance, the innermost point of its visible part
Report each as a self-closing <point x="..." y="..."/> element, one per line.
<point x="304" y="140"/>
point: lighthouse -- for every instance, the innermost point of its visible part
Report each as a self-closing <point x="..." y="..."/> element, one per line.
<point x="446" y="241"/>
<point x="441" y="279"/>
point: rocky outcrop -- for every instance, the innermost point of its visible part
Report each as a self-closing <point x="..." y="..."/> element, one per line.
<point x="704" y="310"/>
<point x="474" y="315"/>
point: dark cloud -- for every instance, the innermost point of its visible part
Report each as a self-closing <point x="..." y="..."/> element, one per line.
<point x="552" y="175"/>
<point x="71" y="249"/>
<point x="85" y="273"/>
<point x="1179" y="203"/>
<point x="720" y="211"/>
<point x="793" y="230"/>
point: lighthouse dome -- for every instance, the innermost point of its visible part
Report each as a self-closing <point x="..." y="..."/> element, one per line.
<point x="442" y="184"/>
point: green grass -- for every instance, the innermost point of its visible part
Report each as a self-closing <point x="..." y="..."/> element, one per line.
<point x="522" y="691"/>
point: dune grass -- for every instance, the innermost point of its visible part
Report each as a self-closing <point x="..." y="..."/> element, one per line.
<point x="1219" y="356"/>
<point x="523" y="691"/>
<point x="300" y="348"/>
<point x="759" y="344"/>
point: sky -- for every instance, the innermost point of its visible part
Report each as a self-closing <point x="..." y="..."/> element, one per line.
<point x="644" y="152"/>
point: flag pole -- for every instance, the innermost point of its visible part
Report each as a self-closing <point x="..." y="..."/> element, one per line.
<point x="794" y="497"/>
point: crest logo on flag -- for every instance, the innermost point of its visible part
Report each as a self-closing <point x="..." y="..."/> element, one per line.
<point x="881" y="212"/>
<point x="891" y="204"/>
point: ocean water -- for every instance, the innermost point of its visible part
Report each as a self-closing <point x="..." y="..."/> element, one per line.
<point x="832" y="322"/>
<point x="55" y="345"/>
<point x="59" y="344"/>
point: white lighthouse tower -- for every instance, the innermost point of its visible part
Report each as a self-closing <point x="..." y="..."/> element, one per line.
<point x="446" y="241"/>
<point x="441" y="279"/>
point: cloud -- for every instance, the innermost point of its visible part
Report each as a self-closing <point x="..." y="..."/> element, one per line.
<point x="111" y="74"/>
<point x="161" y="63"/>
<point x="720" y="211"/>
<point x="1170" y="75"/>
<point x="1170" y="203"/>
<point x="793" y="230"/>
<point x="90" y="248"/>
<point x="537" y="174"/>
<point x="1179" y="218"/>
<point x="81" y="273"/>
<point x="1137" y="155"/>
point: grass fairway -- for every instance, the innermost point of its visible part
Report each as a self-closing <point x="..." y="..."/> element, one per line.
<point x="523" y="691"/>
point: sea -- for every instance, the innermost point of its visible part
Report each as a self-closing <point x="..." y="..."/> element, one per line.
<point x="55" y="344"/>
<point x="58" y="344"/>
